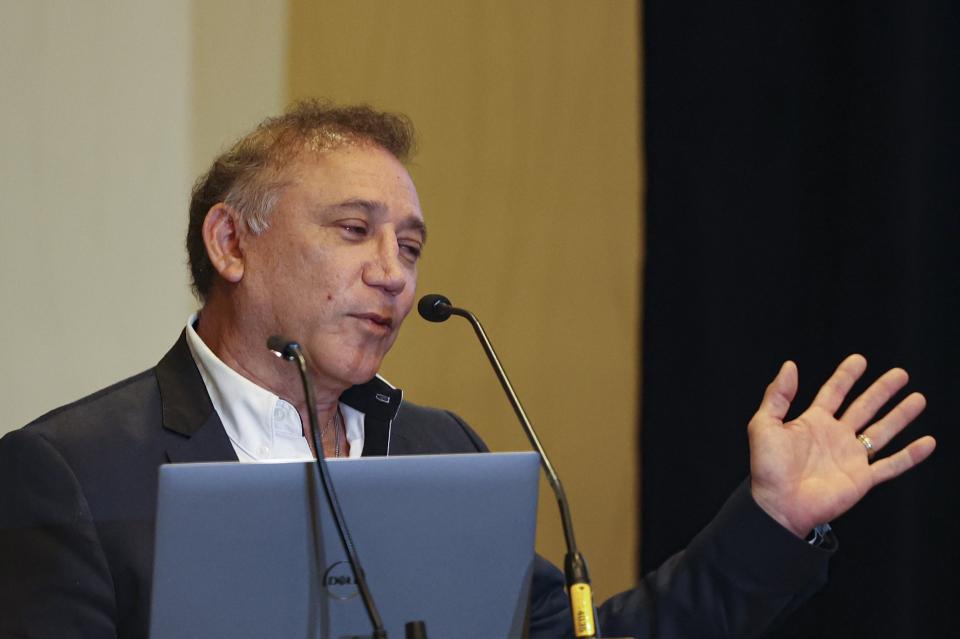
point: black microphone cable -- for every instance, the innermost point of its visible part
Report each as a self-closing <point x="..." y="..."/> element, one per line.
<point x="290" y="350"/>
<point x="437" y="308"/>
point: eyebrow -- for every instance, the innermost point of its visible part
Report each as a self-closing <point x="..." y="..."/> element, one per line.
<point x="375" y="207"/>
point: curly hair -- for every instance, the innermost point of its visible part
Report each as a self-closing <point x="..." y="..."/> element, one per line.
<point x="251" y="175"/>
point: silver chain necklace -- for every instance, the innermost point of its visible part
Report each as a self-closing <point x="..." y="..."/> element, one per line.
<point x="337" y="422"/>
<point x="337" y="425"/>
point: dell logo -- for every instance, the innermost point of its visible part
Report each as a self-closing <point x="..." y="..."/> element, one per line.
<point x="339" y="581"/>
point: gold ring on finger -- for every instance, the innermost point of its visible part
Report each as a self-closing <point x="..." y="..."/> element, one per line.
<point x="868" y="444"/>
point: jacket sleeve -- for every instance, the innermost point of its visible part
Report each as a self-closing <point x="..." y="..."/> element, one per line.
<point x="54" y="579"/>
<point x="740" y="576"/>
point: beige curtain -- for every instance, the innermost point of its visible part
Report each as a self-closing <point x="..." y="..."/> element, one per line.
<point x="529" y="177"/>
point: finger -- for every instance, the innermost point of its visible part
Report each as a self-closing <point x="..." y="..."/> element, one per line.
<point x="866" y="406"/>
<point x="886" y="428"/>
<point x="903" y="460"/>
<point x="832" y="393"/>
<point x="780" y="392"/>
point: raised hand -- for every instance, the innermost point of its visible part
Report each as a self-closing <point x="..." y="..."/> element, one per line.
<point x="814" y="468"/>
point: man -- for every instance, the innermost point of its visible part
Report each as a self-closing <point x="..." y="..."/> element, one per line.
<point x="311" y="227"/>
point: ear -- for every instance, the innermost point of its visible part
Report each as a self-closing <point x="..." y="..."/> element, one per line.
<point x="221" y="235"/>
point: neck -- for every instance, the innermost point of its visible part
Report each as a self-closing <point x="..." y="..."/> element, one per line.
<point x="244" y="350"/>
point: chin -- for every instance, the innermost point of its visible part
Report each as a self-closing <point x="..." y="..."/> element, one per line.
<point x="354" y="373"/>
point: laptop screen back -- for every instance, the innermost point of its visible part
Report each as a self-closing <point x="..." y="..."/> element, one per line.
<point x="251" y="550"/>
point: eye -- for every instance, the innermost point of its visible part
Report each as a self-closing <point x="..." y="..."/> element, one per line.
<point x="411" y="250"/>
<point x="355" y="229"/>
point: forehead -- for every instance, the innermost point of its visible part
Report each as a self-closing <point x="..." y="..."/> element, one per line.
<point x="356" y="171"/>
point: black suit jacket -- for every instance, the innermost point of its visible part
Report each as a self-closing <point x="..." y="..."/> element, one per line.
<point x="78" y="492"/>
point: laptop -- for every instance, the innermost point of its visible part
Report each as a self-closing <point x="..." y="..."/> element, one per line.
<point x="251" y="550"/>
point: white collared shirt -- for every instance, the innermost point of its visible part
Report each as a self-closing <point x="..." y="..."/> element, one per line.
<point x="261" y="426"/>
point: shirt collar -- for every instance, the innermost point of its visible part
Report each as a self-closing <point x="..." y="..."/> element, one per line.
<point x="259" y="423"/>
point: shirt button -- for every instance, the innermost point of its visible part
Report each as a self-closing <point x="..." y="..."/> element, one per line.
<point x="264" y="450"/>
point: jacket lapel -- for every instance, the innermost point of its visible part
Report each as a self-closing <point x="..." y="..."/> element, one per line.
<point x="187" y="410"/>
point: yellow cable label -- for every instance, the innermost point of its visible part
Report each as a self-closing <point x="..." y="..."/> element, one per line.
<point x="581" y="605"/>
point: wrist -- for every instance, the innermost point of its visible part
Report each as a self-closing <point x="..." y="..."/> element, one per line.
<point x="770" y="506"/>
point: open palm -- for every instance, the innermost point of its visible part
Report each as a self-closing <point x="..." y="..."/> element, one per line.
<point x="813" y="469"/>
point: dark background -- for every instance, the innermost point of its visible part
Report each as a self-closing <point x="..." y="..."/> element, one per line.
<point x="802" y="203"/>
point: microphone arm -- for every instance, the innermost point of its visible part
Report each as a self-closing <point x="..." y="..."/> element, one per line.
<point x="437" y="308"/>
<point x="290" y="351"/>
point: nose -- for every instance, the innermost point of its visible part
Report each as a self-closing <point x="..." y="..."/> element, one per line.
<point x="384" y="269"/>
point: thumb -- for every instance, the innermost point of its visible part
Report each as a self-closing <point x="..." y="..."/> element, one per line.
<point x="779" y="394"/>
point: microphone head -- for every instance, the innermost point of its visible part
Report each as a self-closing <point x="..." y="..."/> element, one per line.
<point x="434" y="307"/>
<point x="282" y="347"/>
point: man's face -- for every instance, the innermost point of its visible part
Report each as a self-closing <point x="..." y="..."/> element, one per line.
<point x="337" y="269"/>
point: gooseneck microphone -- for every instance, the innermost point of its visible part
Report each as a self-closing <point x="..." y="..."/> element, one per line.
<point x="437" y="308"/>
<point x="290" y="350"/>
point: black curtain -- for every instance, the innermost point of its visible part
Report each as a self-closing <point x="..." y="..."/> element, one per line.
<point x="802" y="203"/>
